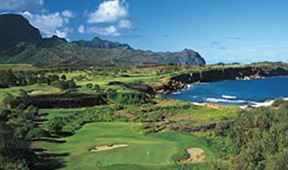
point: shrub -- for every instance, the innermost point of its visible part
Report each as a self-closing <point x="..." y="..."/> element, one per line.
<point x="56" y="125"/>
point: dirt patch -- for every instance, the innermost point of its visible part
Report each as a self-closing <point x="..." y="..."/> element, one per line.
<point x="100" y="148"/>
<point x="196" y="155"/>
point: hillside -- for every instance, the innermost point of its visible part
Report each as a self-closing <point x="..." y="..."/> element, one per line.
<point x="25" y="45"/>
<point x="15" y="29"/>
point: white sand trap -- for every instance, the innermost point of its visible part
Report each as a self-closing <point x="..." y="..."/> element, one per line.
<point x="196" y="155"/>
<point x="107" y="147"/>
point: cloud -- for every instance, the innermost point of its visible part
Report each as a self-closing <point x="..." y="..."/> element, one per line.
<point x="81" y="29"/>
<point x="63" y="33"/>
<point x="111" y="30"/>
<point x="125" y="23"/>
<point x="111" y="18"/>
<point x="67" y="13"/>
<point x="108" y="12"/>
<point x="20" y="5"/>
<point x="51" y="23"/>
<point x="104" y="31"/>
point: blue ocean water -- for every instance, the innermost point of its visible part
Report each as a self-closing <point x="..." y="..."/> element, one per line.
<point x="235" y="91"/>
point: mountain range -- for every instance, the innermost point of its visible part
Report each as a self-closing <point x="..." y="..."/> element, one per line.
<point x="22" y="43"/>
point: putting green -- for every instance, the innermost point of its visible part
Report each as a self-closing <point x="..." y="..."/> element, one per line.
<point x="142" y="150"/>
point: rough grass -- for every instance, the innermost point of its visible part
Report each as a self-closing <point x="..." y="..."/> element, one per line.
<point x="203" y="114"/>
<point x="178" y="111"/>
<point x="155" y="150"/>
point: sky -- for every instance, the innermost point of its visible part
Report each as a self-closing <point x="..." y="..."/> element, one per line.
<point x="227" y="31"/>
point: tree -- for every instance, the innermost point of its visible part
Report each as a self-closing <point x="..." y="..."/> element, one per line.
<point x="89" y="85"/>
<point x="63" y="77"/>
<point x="15" y="152"/>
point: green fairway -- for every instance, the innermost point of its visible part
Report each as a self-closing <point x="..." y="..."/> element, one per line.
<point x="143" y="150"/>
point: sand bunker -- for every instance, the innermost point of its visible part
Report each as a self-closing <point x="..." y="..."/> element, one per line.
<point x="196" y="155"/>
<point x="100" y="148"/>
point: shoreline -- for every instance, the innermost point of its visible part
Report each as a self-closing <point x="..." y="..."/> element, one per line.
<point x="215" y="74"/>
<point x="253" y="104"/>
<point x="225" y="100"/>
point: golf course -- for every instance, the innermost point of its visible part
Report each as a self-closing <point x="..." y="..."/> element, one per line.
<point x="155" y="150"/>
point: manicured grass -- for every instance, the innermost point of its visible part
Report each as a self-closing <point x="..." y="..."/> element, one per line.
<point x="143" y="150"/>
<point x="202" y="166"/>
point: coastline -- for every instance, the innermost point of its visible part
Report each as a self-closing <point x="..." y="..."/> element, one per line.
<point x="186" y="80"/>
<point x="249" y="72"/>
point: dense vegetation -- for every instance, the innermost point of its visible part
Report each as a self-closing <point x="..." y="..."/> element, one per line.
<point x="18" y="128"/>
<point x="260" y="137"/>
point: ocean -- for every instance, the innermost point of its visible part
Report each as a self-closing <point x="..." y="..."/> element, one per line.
<point x="238" y="92"/>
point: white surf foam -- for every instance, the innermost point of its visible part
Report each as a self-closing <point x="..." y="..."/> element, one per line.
<point x="221" y="100"/>
<point x="229" y="97"/>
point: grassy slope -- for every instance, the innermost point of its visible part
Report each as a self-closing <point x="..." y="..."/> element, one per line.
<point x="144" y="150"/>
<point x="17" y="67"/>
<point x="34" y="89"/>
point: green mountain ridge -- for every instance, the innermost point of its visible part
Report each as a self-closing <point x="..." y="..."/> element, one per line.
<point x="25" y="45"/>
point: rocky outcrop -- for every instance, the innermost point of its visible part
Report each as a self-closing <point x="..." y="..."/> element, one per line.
<point x="185" y="57"/>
